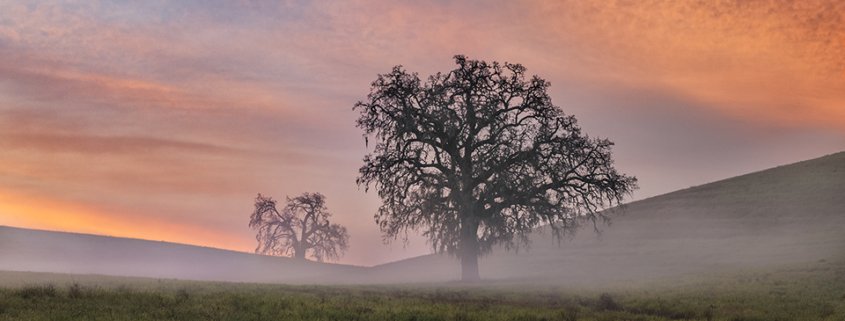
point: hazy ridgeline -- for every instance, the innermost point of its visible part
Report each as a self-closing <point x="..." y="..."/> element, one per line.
<point x="787" y="215"/>
<point x="40" y="251"/>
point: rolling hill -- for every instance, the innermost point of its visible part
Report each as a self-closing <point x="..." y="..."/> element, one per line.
<point x="784" y="215"/>
<point x="59" y="252"/>
<point x="776" y="217"/>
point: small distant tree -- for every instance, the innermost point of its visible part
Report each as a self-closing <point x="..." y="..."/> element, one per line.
<point x="480" y="156"/>
<point x="300" y="229"/>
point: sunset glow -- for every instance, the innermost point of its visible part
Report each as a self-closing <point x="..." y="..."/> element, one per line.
<point x="163" y="120"/>
<point x="52" y="215"/>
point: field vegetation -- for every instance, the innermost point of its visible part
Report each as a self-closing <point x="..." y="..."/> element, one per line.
<point x="798" y="292"/>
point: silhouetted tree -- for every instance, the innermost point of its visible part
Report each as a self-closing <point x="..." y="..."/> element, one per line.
<point x="480" y="156"/>
<point x="301" y="228"/>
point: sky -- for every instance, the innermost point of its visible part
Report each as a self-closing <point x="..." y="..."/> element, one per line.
<point x="162" y="120"/>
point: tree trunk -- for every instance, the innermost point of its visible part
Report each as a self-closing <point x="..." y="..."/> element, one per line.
<point x="469" y="250"/>
<point x="299" y="253"/>
<point x="469" y="267"/>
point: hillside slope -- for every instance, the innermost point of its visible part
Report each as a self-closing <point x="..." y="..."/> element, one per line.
<point x="59" y="252"/>
<point x="788" y="214"/>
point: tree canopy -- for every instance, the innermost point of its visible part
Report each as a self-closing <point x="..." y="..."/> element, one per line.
<point x="480" y="156"/>
<point x="300" y="229"/>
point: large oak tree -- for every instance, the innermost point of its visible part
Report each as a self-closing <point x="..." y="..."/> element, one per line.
<point x="301" y="228"/>
<point x="480" y="156"/>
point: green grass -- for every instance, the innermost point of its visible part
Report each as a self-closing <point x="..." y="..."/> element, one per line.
<point x="812" y="292"/>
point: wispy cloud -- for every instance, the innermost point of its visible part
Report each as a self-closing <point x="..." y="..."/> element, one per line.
<point x="107" y="144"/>
<point x="186" y="109"/>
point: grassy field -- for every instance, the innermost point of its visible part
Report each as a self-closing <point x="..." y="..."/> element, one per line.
<point x="809" y="292"/>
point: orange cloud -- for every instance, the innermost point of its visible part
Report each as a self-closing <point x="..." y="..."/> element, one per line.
<point x="765" y="61"/>
<point x="42" y="79"/>
<point x="188" y="110"/>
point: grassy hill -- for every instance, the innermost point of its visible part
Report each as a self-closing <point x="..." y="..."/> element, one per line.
<point x="786" y="215"/>
<point x="59" y="252"/>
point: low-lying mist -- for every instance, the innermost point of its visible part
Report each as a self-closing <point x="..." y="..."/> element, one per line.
<point x="790" y="214"/>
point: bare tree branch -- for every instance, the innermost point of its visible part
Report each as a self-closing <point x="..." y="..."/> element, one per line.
<point x="480" y="156"/>
<point x="301" y="229"/>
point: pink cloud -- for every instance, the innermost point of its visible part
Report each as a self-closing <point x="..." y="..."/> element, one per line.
<point x="185" y="110"/>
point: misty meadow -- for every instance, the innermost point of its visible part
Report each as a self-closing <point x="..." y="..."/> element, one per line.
<point x="502" y="160"/>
